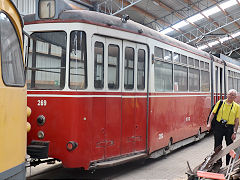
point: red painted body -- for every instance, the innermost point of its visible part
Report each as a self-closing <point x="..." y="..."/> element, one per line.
<point x="170" y="116"/>
<point x="107" y="125"/>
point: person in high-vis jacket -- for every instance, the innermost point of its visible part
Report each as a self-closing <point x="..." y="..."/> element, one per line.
<point x="227" y="121"/>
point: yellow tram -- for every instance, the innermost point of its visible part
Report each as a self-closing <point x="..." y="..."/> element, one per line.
<point x="13" y="102"/>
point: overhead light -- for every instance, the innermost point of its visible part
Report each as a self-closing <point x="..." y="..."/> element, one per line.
<point x="180" y="24"/>
<point x="211" y="44"/>
<point x="168" y="30"/>
<point x="236" y="34"/>
<point x="202" y="47"/>
<point x="224" y="39"/>
<point x="211" y="11"/>
<point x="228" y="4"/>
<point x="195" y="18"/>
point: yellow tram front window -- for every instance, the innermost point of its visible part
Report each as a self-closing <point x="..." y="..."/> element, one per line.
<point x="11" y="55"/>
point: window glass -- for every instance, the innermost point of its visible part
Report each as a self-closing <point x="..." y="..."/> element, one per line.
<point x="238" y="89"/>
<point x="167" y="55"/>
<point x="176" y="57"/>
<point x="141" y="69"/>
<point x="202" y="64"/>
<point x="129" y="68"/>
<point x="235" y="83"/>
<point x="230" y="83"/>
<point x="191" y="61"/>
<point x="196" y="63"/>
<point x="183" y="59"/>
<point x="206" y="66"/>
<point x="78" y="60"/>
<point x="99" y="65"/>
<point x="194" y="79"/>
<point x="113" y="66"/>
<point x="205" y="81"/>
<point x="47" y="61"/>
<point x="11" y="54"/>
<point x="180" y="78"/>
<point x="158" y="52"/>
<point x="235" y="74"/>
<point x="163" y="75"/>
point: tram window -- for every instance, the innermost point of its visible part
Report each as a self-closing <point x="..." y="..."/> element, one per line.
<point x="78" y="61"/>
<point x="113" y="66"/>
<point x="235" y="83"/>
<point x="176" y="57"/>
<point x="201" y="64"/>
<point x="230" y="83"/>
<point x="141" y="69"/>
<point x="194" y="79"/>
<point x="180" y="78"/>
<point x="47" y="60"/>
<point x="238" y="75"/>
<point x="183" y="59"/>
<point x="238" y="89"/>
<point x="129" y="68"/>
<point x="158" y="52"/>
<point x="11" y="54"/>
<point x="98" y="65"/>
<point x="205" y="81"/>
<point x="191" y="61"/>
<point x="163" y="75"/>
<point x="206" y="66"/>
<point x="167" y="55"/>
<point x="196" y="63"/>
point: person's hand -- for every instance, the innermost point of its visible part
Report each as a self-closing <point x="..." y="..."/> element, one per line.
<point x="234" y="136"/>
<point x="208" y="126"/>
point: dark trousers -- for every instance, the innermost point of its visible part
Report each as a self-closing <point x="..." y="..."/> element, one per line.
<point x="219" y="131"/>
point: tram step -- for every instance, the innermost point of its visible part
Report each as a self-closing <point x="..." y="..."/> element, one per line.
<point x="38" y="149"/>
<point x="118" y="161"/>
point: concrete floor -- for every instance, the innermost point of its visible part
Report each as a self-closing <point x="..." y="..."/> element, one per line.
<point x="170" y="167"/>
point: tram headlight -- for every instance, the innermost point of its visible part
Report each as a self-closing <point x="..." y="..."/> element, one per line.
<point x="40" y="134"/>
<point x="41" y="120"/>
<point x="29" y="111"/>
<point x="28" y="126"/>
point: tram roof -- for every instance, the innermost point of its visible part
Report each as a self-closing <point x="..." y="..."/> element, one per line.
<point x="101" y="19"/>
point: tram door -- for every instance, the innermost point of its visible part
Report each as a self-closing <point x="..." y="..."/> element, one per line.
<point x="106" y="105"/>
<point x="134" y="99"/>
<point x="219" y="93"/>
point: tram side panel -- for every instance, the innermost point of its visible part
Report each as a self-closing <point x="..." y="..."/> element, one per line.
<point x="176" y="114"/>
<point x="176" y="118"/>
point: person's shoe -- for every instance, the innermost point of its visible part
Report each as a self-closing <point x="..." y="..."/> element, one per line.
<point x="217" y="166"/>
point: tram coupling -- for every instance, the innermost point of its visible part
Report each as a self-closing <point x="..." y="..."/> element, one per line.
<point x="35" y="162"/>
<point x="38" y="149"/>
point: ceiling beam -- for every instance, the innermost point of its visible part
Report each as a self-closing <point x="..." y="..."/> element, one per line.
<point x="174" y="12"/>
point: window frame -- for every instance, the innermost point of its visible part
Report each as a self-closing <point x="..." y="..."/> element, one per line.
<point x="85" y="63"/>
<point x="102" y="65"/>
<point x="21" y="56"/>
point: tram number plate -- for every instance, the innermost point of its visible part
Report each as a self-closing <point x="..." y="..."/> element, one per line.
<point x="42" y="102"/>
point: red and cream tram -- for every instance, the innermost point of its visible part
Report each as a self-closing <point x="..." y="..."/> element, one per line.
<point x="104" y="90"/>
